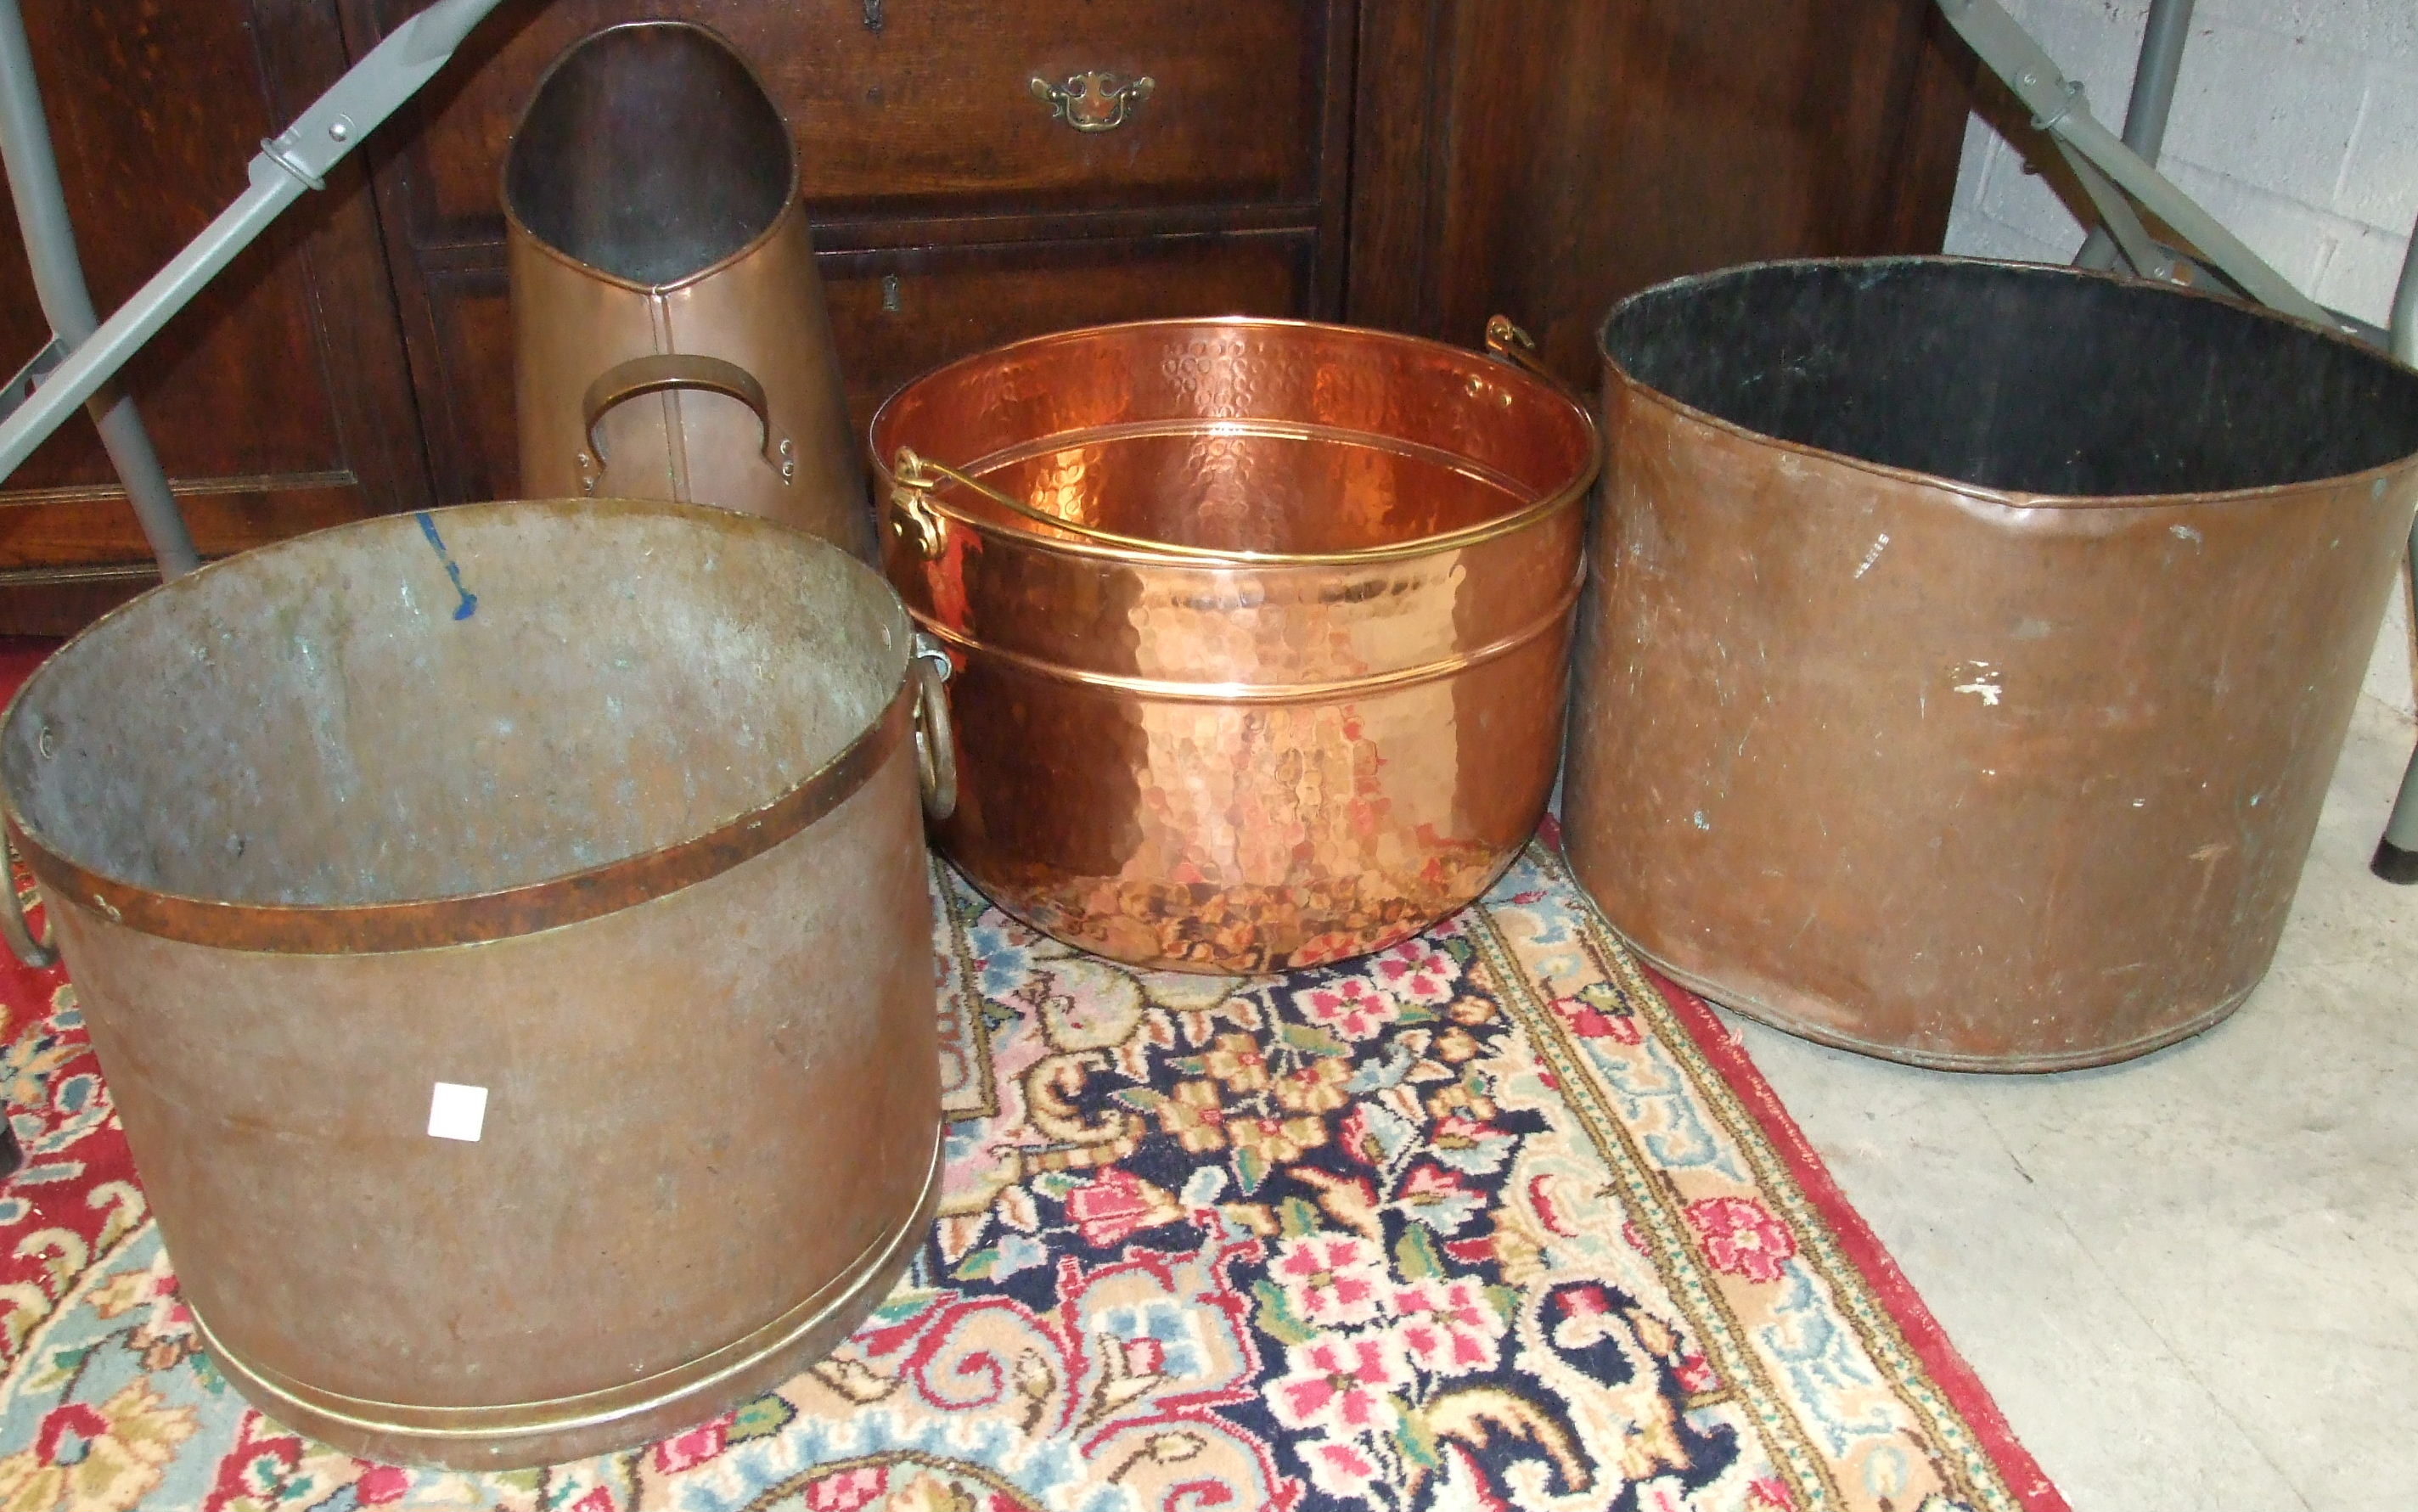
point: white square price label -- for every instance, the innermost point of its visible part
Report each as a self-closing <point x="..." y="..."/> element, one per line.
<point x="457" y="1112"/>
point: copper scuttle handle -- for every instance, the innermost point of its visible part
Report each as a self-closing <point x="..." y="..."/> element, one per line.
<point x="666" y="371"/>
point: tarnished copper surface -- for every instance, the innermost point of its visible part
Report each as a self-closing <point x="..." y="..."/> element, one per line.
<point x="1305" y="749"/>
<point x="710" y="1112"/>
<point x="452" y="918"/>
<point x="1997" y="743"/>
<point x="651" y="211"/>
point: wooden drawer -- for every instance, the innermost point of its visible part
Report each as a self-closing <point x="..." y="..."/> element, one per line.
<point x="96" y="527"/>
<point x="898" y="314"/>
<point x="934" y="114"/>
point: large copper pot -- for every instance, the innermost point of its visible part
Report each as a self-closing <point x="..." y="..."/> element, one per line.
<point x="669" y="338"/>
<point x="1968" y="646"/>
<point x="505" y="934"/>
<point x="1261" y="627"/>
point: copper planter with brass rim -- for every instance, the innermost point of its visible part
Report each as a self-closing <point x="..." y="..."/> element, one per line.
<point x="606" y="810"/>
<point x="1276" y="677"/>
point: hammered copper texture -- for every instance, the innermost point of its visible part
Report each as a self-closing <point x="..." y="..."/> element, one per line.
<point x="1232" y="765"/>
<point x="711" y="1108"/>
<point x="1961" y="775"/>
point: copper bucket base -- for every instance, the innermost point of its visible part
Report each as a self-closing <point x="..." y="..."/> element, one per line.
<point x="570" y="1427"/>
<point x="1792" y="1020"/>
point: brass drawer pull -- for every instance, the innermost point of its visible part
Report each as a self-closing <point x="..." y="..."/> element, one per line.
<point x="1093" y="101"/>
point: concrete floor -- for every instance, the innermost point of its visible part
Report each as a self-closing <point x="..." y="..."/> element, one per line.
<point x="2191" y="1281"/>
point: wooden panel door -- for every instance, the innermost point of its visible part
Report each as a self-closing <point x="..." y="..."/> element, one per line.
<point x="280" y="399"/>
<point x="1541" y="159"/>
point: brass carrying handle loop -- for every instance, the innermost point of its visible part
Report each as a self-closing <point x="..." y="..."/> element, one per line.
<point x="917" y="478"/>
<point x="936" y="738"/>
<point x="922" y="475"/>
<point x="641" y="376"/>
<point x="1507" y="341"/>
<point x="39" y="954"/>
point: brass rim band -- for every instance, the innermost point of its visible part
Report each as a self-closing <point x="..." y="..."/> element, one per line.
<point x="469" y="919"/>
<point x="914" y="474"/>
<point x="1162" y="690"/>
<point x="826" y="1307"/>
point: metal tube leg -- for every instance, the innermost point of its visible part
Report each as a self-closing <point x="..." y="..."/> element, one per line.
<point x="2397" y="854"/>
<point x="296" y="158"/>
<point x="58" y="282"/>
<point x="2153" y="102"/>
<point x="129" y="445"/>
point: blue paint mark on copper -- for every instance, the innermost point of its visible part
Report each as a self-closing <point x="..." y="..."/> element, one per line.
<point x="470" y="604"/>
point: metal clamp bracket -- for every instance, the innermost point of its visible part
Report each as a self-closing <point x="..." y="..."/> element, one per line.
<point x="2059" y="108"/>
<point x="29" y="378"/>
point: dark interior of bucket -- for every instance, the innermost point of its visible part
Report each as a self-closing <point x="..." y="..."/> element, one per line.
<point x="650" y="152"/>
<point x="2027" y="379"/>
<point x="332" y="721"/>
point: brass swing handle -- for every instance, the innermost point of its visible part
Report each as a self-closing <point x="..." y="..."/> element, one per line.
<point x="1508" y="343"/>
<point x="675" y="370"/>
<point x="1093" y="101"/>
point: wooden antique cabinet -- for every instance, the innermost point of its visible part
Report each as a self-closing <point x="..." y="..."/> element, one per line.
<point x="1412" y="164"/>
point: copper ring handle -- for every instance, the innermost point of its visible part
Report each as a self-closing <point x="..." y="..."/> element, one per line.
<point x="936" y="738"/>
<point x="659" y="372"/>
<point x="39" y="954"/>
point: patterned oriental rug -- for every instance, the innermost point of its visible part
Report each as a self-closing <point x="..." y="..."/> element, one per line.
<point x="1490" y="1220"/>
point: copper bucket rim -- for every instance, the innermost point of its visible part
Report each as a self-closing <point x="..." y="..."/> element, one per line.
<point x="791" y="205"/>
<point x="500" y="913"/>
<point x="1211" y="560"/>
<point x="1980" y="493"/>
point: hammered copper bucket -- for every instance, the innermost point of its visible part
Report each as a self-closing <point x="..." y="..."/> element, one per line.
<point x="1261" y="627"/>
<point x="504" y="932"/>
<point x="669" y="336"/>
<point x="1970" y="646"/>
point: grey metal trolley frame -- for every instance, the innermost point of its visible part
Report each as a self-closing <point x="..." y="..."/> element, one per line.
<point x="2117" y="173"/>
<point x="80" y="364"/>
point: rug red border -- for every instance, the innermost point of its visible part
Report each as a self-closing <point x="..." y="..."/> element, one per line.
<point x="1930" y="1342"/>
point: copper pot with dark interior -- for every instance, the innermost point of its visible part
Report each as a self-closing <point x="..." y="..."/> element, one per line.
<point x="504" y="931"/>
<point x="669" y="336"/>
<point x="1968" y="646"/>
<point x="1261" y="627"/>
